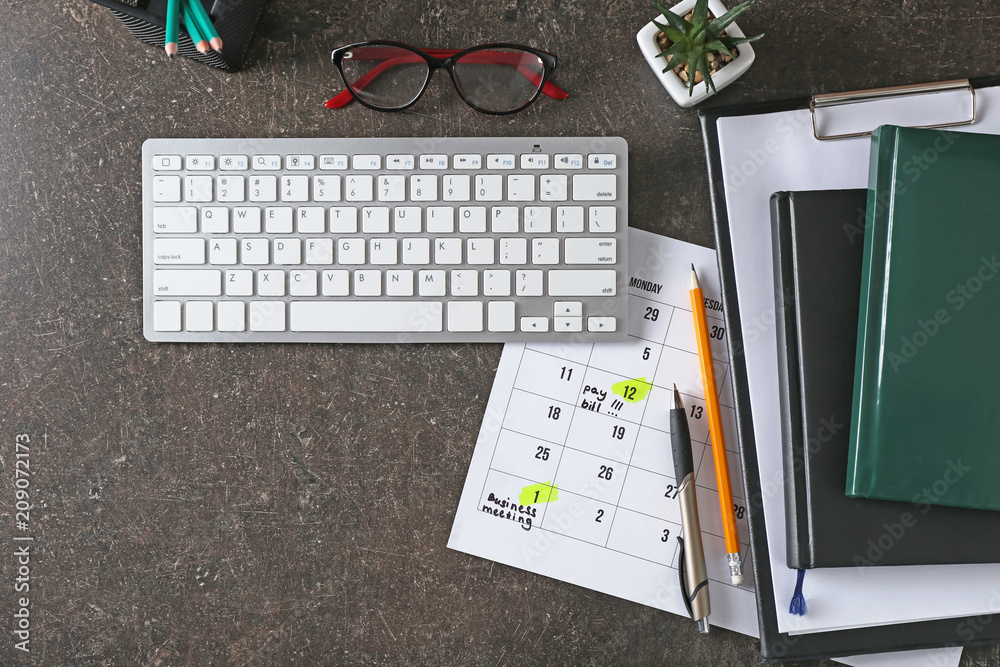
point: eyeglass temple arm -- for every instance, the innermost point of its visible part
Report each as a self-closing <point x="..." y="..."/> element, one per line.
<point x="344" y="97"/>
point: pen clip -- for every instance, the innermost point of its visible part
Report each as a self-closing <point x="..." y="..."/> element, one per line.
<point x="680" y="577"/>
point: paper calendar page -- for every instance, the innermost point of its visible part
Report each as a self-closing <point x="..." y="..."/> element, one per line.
<point x="572" y="475"/>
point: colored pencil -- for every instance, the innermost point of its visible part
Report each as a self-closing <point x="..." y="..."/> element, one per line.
<point x="173" y="27"/>
<point x="191" y="24"/>
<point x="205" y="25"/>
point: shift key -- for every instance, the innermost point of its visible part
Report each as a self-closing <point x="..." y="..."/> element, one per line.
<point x="187" y="282"/>
<point x="595" y="187"/>
<point x="576" y="282"/>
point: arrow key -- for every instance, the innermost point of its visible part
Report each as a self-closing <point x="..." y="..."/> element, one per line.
<point x="568" y="324"/>
<point x="601" y="324"/>
<point x="535" y="324"/>
<point x="567" y="309"/>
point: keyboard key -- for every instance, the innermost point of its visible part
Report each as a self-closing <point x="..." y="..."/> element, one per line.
<point x="501" y="315"/>
<point x="569" y="219"/>
<point x="287" y="251"/>
<point x="406" y="219"/>
<point x="302" y="282"/>
<point x="175" y="219"/>
<point x="513" y="251"/>
<point x="295" y="188"/>
<point x="489" y="187"/>
<point x="167" y="188"/>
<point x="263" y="188"/>
<point x="178" y="251"/>
<point x="366" y="316"/>
<point x="521" y="187"/>
<point x="343" y="220"/>
<point x="267" y="162"/>
<point x="234" y="162"/>
<point x="246" y="220"/>
<point x="567" y="309"/>
<point x="368" y="282"/>
<point x="271" y="282"/>
<point x="255" y="252"/>
<point x="535" y="324"/>
<point x="568" y="161"/>
<point x="537" y="219"/>
<point x="448" y="251"/>
<point x="383" y="251"/>
<point x="431" y="283"/>
<point x="300" y="163"/>
<point x="338" y="162"/>
<point x="554" y="187"/>
<point x="465" y="316"/>
<point x="278" y="219"/>
<point x="545" y="251"/>
<point x="591" y="251"/>
<point x="595" y="187"/>
<point x="222" y="251"/>
<point x="239" y="282"/>
<point x="166" y="162"/>
<point x="423" y="187"/>
<point x="375" y="219"/>
<point x="392" y="188"/>
<point x="399" y="162"/>
<point x="358" y="187"/>
<point x="366" y="162"/>
<point x="336" y="282"/>
<point x="605" y="324"/>
<point x="231" y="188"/>
<point x="534" y="161"/>
<point x="326" y="187"/>
<point x="480" y="251"/>
<point x="267" y="316"/>
<point x="310" y="219"/>
<point x="472" y="219"/>
<point x="434" y="161"/>
<point x="416" y="251"/>
<point x="567" y="324"/>
<point x="500" y="161"/>
<point x="319" y="251"/>
<point x="440" y="220"/>
<point x="232" y="316"/>
<point x="464" y="282"/>
<point x="456" y="187"/>
<point x="603" y="219"/>
<point x="496" y="282"/>
<point x="166" y="315"/>
<point x="573" y="282"/>
<point x="503" y="219"/>
<point x="199" y="162"/>
<point x="399" y="282"/>
<point x="351" y="251"/>
<point x="602" y="160"/>
<point x="187" y="282"/>
<point x="198" y="188"/>
<point x="199" y="316"/>
<point x="468" y="161"/>
<point x="528" y="283"/>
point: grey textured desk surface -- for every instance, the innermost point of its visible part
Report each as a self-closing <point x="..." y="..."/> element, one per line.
<point x="269" y="504"/>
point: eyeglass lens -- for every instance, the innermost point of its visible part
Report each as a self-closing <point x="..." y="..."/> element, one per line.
<point x="499" y="79"/>
<point x="387" y="77"/>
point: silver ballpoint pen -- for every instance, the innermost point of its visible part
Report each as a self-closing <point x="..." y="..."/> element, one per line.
<point x="692" y="572"/>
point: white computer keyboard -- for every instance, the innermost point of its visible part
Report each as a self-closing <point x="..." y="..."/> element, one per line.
<point x="385" y="240"/>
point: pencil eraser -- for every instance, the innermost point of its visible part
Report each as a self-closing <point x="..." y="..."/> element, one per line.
<point x="737" y="579"/>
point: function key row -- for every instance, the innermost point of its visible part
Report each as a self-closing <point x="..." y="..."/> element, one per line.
<point x="468" y="161"/>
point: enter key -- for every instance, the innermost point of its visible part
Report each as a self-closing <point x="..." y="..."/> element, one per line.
<point x="591" y="251"/>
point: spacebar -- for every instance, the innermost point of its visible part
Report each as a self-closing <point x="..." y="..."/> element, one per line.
<point x="366" y="316"/>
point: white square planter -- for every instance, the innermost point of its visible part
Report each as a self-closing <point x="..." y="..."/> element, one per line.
<point x="677" y="88"/>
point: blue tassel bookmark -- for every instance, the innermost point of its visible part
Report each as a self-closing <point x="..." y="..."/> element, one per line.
<point x="798" y="603"/>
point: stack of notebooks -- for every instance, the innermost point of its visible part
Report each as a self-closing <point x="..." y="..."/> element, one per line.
<point x="887" y="319"/>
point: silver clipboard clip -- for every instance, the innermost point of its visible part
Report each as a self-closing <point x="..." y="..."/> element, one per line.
<point x="855" y="96"/>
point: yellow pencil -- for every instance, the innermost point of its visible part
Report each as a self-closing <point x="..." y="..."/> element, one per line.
<point x="715" y="430"/>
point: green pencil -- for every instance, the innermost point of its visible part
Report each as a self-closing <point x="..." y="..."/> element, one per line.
<point x="200" y="42"/>
<point x="204" y="23"/>
<point x="173" y="21"/>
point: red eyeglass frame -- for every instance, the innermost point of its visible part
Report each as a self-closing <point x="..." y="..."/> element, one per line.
<point x="445" y="59"/>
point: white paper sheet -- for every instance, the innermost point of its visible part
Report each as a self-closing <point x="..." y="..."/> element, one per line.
<point x="767" y="153"/>
<point x="520" y="445"/>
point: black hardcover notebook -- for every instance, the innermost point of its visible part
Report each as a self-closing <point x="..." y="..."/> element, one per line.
<point x="776" y="646"/>
<point x="818" y="239"/>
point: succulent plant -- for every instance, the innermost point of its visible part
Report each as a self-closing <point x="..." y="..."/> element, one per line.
<point x="692" y="41"/>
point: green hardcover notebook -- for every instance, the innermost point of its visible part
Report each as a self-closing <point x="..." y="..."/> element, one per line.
<point x="925" y="425"/>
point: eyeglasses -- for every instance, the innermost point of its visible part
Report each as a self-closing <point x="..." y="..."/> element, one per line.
<point x="491" y="78"/>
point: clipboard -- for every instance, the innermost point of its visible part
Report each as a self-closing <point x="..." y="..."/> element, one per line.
<point x="777" y="645"/>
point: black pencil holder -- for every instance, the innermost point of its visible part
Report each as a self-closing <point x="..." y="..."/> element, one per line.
<point x="234" y="20"/>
